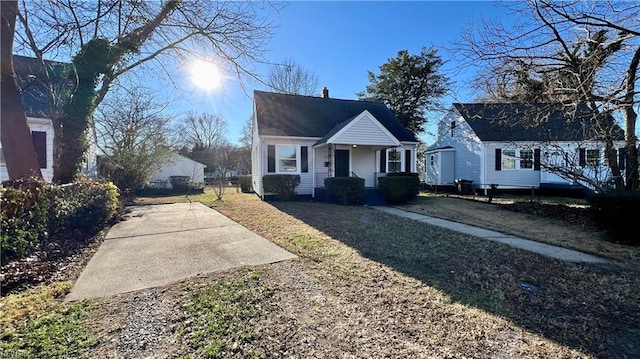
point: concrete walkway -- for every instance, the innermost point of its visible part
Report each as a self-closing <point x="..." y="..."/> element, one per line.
<point x="162" y="244"/>
<point x="532" y="246"/>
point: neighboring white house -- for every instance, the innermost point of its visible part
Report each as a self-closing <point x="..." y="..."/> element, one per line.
<point x="178" y="166"/>
<point x="322" y="137"/>
<point x="34" y="98"/>
<point x="496" y="143"/>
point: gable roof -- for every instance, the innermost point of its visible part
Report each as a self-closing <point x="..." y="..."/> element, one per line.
<point x="34" y="92"/>
<point x="530" y="122"/>
<point x="380" y="136"/>
<point x="307" y="116"/>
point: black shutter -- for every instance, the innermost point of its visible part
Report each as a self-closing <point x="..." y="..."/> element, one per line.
<point x="304" y="153"/>
<point x="40" y="145"/>
<point x="407" y="160"/>
<point x="383" y="161"/>
<point x="622" y="154"/>
<point x="498" y="159"/>
<point x="536" y="159"/>
<point x="271" y="158"/>
<point x="582" y="157"/>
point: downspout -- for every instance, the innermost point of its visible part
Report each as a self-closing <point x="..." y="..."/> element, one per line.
<point x="313" y="172"/>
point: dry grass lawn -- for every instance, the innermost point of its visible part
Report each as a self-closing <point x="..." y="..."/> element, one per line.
<point x="372" y="285"/>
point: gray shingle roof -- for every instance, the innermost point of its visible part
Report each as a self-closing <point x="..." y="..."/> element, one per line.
<point x="307" y="116"/>
<point x="30" y="75"/>
<point x="529" y="122"/>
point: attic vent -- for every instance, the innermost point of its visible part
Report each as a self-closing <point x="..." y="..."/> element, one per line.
<point x="325" y="92"/>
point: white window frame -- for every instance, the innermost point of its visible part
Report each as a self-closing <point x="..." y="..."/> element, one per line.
<point x="516" y="159"/>
<point x="592" y="161"/>
<point x="278" y="159"/>
<point x="401" y="160"/>
<point x="522" y="162"/>
<point x="509" y="159"/>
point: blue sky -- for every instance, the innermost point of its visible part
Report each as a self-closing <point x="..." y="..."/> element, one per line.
<point x="340" y="41"/>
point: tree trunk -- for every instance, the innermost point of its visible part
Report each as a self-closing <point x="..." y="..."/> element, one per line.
<point x="17" y="145"/>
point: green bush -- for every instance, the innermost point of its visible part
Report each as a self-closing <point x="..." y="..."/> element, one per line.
<point x="345" y="190"/>
<point x="245" y="184"/>
<point x="34" y="212"/>
<point x="283" y="186"/>
<point x="24" y="216"/>
<point x="398" y="189"/>
<point x="82" y="208"/>
<point x="180" y="183"/>
<point x="612" y="210"/>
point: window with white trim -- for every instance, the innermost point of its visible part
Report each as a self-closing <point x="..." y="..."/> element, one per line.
<point x="526" y="159"/>
<point x="287" y="159"/>
<point x="394" y="160"/>
<point x="593" y="157"/>
<point x="508" y="159"/>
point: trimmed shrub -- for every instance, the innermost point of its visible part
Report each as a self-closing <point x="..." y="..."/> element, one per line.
<point x="34" y="212"/>
<point x="245" y="184"/>
<point x="82" y="208"/>
<point x="180" y="183"/>
<point x="398" y="189"/>
<point x="345" y="190"/>
<point x="403" y="174"/>
<point x="612" y="211"/>
<point x="24" y="216"/>
<point x="283" y="186"/>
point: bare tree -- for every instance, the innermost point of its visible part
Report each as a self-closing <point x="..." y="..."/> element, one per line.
<point x="204" y="131"/>
<point x="106" y="39"/>
<point x="202" y="135"/>
<point x="133" y="133"/>
<point x="17" y="146"/>
<point x="571" y="52"/>
<point x="291" y="78"/>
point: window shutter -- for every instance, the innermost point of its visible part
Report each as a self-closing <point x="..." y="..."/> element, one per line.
<point x="271" y="158"/>
<point x="407" y="160"/>
<point x="536" y="159"/>
<point x="304" y="161"/>
<point x="383" y="161"/>
<point x="622" y="154"/>
<point x="582" y="157"/>
<point x="498" y="159"/>
<point x="40" y="144"/>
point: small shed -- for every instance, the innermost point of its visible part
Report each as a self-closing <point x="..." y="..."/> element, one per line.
<point x="178" y="166"/>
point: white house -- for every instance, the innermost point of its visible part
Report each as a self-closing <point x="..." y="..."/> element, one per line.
<point x="34" y="97"/>
<point x="322" y="137"/>
<point x="178" y="165"/>
<point x="518" y="146"/>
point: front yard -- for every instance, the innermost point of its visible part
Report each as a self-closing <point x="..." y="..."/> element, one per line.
<point x="367" y="285"/>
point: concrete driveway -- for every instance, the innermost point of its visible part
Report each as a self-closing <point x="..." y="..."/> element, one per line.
<point x="161" y="244"/>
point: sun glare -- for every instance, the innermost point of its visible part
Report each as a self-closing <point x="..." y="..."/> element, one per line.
<point x="205" y="75"/>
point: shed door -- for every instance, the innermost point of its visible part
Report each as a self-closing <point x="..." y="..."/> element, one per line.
<point x="342" y="163"/>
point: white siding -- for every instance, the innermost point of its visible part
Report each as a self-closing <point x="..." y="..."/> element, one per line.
<point x="364" y="130"/>
<point x="256" y="164"/>
<point x="508" y="178"/>
<point x="306" y="179"/>
<point x="41" y="125"/>
<point x="179" y="166"/>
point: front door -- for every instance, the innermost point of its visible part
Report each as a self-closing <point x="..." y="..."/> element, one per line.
<point x="342" y="163"/>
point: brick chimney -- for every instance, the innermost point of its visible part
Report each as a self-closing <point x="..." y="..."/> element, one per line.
<point x="325" y="92"/>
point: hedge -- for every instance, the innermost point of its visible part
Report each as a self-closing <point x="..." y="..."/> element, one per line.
<point x="34" y="212"/>
<point x="345" y="190"/>
<point x="612" y="211"/>
<point x="245" y="184"/>
<point x="283" y="186"/>
<point x="397" y="189"/>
